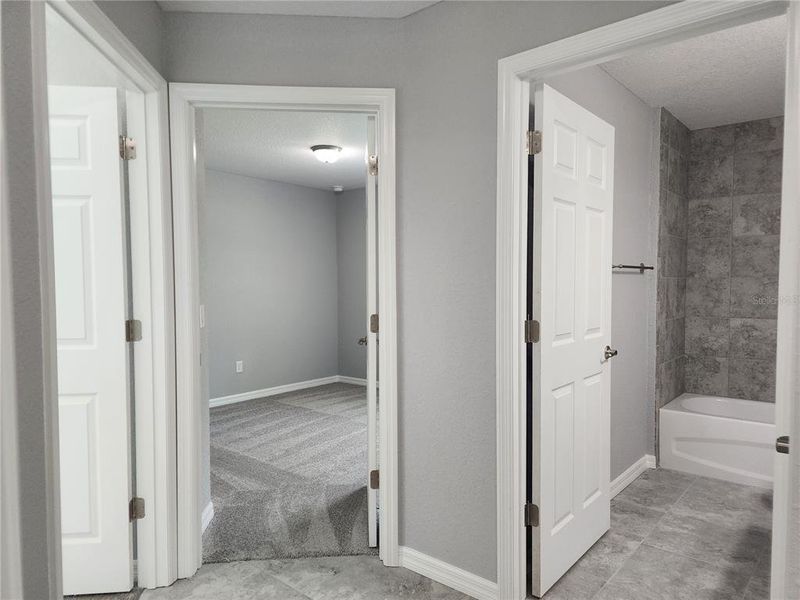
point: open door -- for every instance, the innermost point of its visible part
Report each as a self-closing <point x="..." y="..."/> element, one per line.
<point x="785" y="575"/>
<point x="571" y="271"/>
<point x="372" y="329"/>
<point x="93" y="391"/>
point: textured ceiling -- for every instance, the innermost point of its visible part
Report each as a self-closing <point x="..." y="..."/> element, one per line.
<point x="725" y="77"/>
<point x="372" y="9"/>
<point x="276" y="145"/>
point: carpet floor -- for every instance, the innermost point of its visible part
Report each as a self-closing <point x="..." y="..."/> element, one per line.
<point x="288" y="476"/>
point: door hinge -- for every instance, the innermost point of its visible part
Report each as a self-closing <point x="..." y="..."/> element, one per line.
<point x="133" y="330"/>
<point x="372" y="163"/>
<point x="531" y="515"/>
<point x="373" y="323"/>
<point x="136" y="509"/>
<point x="127" y="148"/>
<point x="374" y="479"/>
<point x="534" y="139"/>
<point x="531" y="331"/>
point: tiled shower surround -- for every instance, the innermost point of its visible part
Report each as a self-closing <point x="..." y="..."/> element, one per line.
<point x="731" y="226"/>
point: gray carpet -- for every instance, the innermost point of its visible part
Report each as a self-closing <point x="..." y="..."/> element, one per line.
<point x="288" y="476"/>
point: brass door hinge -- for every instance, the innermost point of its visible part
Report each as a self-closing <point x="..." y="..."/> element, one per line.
<point x="374" y="479"/>
<point x="531" y="515"/>
<point x="373" y="323"/>
<point x="373" y="164"/>
<point x="534" y="139"/>
<point x="133" y="330"/>
<point x="531" y="331"/>
<point x="127" y="148"/>
<point x="136" y="509"/>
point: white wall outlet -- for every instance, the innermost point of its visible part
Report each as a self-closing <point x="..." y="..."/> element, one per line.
<point x="240" y="366"/>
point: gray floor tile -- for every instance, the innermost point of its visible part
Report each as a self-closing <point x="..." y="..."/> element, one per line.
<point x="657" y="488"/>
<point x="654" y="574"/>
<point x="725" y="503"/>
<point x="722" y="545"/>
<point x="357" y="578"/>
<point x="248" y="580"/>
<point x="575" y="585"/>
<point x="633" y="519"/>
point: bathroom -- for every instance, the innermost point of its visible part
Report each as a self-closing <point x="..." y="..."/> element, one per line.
<point x="698" y="152"/>
<point x="717" y="289"/>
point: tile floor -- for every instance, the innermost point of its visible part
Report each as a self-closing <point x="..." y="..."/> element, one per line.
<point x="673" y="536"/>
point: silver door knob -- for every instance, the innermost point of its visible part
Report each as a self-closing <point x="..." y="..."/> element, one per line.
<point x="610" y="352"/>
<point x="782" y="444"/>
<point x="362" y="341"/>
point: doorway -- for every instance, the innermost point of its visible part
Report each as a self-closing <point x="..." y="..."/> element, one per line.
<point x="187" y="103"/>
<point x="542" y="66"/>
<point x="287" y="287"/>
<point x="109" y="279"/>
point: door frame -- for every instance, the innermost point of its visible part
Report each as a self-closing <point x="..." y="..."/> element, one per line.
<point x="185" y="99"/>
<point x="515" y="74"/>
<point x="151" y="269"/>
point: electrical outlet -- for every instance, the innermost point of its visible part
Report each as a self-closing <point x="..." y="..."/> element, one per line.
<point x="240" y="366"/>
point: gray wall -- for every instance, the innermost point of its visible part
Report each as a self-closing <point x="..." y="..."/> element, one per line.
<point x="671" y="295"/>
<point x="271" y="283"/>
<point x="142" y="23"/>
<point x="443" y="63"/>
<point x="732" y="259"/>
<point x="36" y="417"/>
<point x="634" y="242"/>
<point x="351" y="248"/>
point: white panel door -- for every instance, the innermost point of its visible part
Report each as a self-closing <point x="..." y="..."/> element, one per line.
<point x="372" y="338"/>
<point x="573" y="203"/>
<point x="89" y="246"/>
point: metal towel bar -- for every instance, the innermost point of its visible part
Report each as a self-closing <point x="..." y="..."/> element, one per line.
<point x="641" y="267"/>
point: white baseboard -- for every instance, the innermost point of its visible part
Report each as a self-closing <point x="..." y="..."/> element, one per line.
<point x="351" y="380"/>
<point x="446" y="574"/>
<point x="207" y="516"/>
<point x="283" y="389"/>
<point x="648" y="461"/>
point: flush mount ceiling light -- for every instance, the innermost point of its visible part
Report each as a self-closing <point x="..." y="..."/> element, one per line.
<point x="326" y="153"/>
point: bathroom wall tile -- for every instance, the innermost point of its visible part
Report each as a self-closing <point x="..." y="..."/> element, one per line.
<point x="672" y="256"/>
<point x="670" y="379"/>
<point x="707" y="336"/>
<point x="708" y="297"/>
<point x="669" y="340"/>
<point x="711" y="177"/>
<point x="676" y="297"/>
<point x="711" y="142"/>
<point x="682" y="141"/>
<point x="758" y="214"/>
<point x="709" y="217"/>
<point x="663" y="167"/>
<point x="757" y="172"/>
<point x="757" y="136"/>
<point x="753" y="338"/>
<point x="754" y="297"/>
<point x="755" y="255"/>
<point x="667" y="128"/>
<point x="708" y="257"/>
<point x="677" y="179"/>
<point x="706" y="375"/>
<point x="752" y="379"/>
<point x="673" y="211"/>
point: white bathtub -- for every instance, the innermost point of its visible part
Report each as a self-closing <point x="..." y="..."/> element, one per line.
<point x="719" y="437"/>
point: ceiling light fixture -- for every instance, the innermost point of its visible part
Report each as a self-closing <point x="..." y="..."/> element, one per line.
<point x="326" y="153"/>
<point x="337" y="189"/>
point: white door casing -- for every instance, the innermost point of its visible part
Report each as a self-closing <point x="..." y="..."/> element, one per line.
<point x="372" y="337"/>
<point x="573" y="212"/>
<point x="88" y="225"/>
<point x="785" y="575"/>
